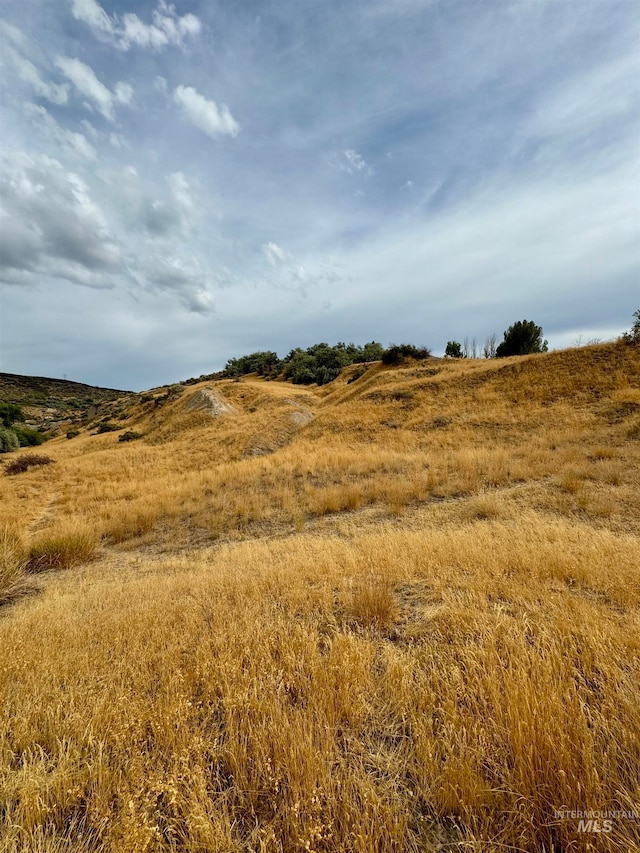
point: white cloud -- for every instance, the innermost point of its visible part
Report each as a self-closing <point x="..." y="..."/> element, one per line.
<point x="167" y="27"/>
<point x="84" y="79"/>
<point x="205" y="114"/>
<point x="274" y="254"/>
<point x="355" y="163"/>
<point x="73" y="144"/>
<point x="93" y="14"/>
<point x="161" y="85"/>
<point x="117" y="140"/>
<point x="90" y="129"/>
<point x="182" y="199"/>
<point x="12" y="55"/>
<point x="585" y="102"/>
<point x="559" y="246"/>
<point x="123" y="94"/>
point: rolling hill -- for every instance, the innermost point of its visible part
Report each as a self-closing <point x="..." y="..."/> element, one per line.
<point x="395" y="613"/>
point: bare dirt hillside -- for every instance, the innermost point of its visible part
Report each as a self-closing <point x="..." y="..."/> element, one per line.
<point x="397" y="613"/>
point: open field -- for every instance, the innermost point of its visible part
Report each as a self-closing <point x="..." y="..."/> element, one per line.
<point x="400" y="613"/>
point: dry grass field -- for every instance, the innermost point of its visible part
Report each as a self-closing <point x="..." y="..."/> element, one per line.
<point x="397" y="613"/>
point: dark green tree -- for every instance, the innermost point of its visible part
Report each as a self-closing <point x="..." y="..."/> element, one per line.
<point x="372" y="351"/>
<point x="633" y="337"/>
<point x="395" y="353"/>
<point x="453" y="350"/>
<point x="522" y="338"/>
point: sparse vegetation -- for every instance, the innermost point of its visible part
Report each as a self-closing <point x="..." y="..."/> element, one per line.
<point x="329" y="634"/>
<point x="130" y="435"/>
<point x="23" y="463"/>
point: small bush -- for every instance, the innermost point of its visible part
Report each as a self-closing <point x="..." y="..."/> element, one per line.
<point x="371" y="604"/>
<point x="129" y="435"/>
<point x="440" y="422"/>
<point x="107" y="427"/>
<point x="73" y="433"/>
<point x="356" y="375"/>
<point x="23" y="463"/>
<point x="29" y="437"/>
<point x="61" y="550"/>
<point x="8" y="440"/>
<point x="397" y="352"/>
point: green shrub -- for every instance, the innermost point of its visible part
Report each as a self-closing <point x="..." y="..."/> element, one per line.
<point x="29" y="437"/>
<point x="397" y="352"/>
<point x="633" y="336"/>
<point x="8" y="440"/>
<point x="10" y="413"/>
<point x="453" y="350"/>
<point x="23" y="463"/>
<point x="107" y="427"/>
<point x="73" y="433"/>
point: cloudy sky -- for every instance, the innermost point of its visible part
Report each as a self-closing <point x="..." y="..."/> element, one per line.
<point x="182" y="183"/>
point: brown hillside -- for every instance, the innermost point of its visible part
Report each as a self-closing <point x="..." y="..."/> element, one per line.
<point x="398" y="613"/>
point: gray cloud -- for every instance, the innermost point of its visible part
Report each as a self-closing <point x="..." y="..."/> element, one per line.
<point x="183" y="279"/>
<point x="52" y="226"/>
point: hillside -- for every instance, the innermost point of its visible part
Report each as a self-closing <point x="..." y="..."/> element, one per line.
<point x="52" y="404"/>
<point x="395" y="613"/>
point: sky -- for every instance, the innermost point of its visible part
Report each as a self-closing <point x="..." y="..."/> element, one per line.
<point x="182" y="183"/>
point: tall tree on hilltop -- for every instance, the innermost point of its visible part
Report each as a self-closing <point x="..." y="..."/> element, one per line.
<point x="522" y="338"/>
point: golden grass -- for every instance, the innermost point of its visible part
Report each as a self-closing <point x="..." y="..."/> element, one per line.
<point x="410" y="625"/>
<point x="14" y="581"/>
<point x="61" y="549"/>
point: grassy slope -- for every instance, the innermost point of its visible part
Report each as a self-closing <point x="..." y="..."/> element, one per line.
<point x="37" y="390"/>
<point x="387" y="615"/>
<point x="56" y="404"/>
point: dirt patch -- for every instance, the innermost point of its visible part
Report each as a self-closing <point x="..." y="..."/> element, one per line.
<point x="210" y="401"/>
